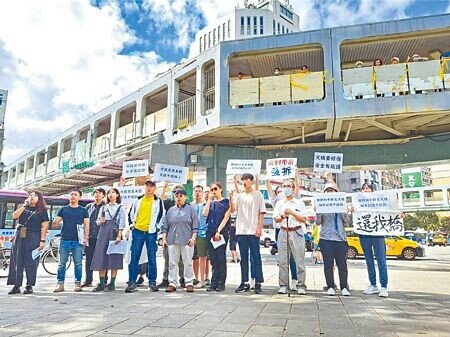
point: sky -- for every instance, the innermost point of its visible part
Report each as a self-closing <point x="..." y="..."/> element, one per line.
<point x="64" y="60"/>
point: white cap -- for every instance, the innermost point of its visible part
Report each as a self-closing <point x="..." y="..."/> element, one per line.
<point x="332" y="185"/>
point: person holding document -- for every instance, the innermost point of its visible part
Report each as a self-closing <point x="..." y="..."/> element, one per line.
<point x="374" y="244"/>
<point x="180" y="227"/>
<point x="250" y="209"/>
<point x="30" y="234"/>
<point x="112" y="221"/>
<point x="217" y="211"/>
<point x="333" y="245"/>
<point x="74" y="236"/>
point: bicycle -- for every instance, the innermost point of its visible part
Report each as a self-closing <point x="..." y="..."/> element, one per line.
<point x="5" y="256"/>
<point x="50" y="256"/>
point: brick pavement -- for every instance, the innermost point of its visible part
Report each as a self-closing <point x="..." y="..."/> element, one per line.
<point x="419" y="304"/>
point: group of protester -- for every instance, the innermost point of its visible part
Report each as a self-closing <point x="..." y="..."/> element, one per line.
<point x="197" y="231"/>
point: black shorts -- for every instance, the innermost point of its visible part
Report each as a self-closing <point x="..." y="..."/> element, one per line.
<point x="195" y="256"/>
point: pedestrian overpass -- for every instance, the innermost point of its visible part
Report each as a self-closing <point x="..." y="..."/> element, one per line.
<point x="227" y="103"/>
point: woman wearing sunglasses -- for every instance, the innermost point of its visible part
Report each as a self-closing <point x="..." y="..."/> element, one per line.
<point x="31" y="232"/>
<point x="217" y="211"/>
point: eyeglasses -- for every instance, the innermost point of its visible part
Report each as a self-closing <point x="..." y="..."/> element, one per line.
<point x="214" y="189"/>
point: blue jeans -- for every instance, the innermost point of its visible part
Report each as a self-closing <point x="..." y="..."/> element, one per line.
<point x="250" y="243"/>
<point x="65" y="247"/>
<point x="137" y="243"/>
<point x="370" y="244"/>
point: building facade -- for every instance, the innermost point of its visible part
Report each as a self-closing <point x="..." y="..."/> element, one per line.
<point x="200" y="109"/>
<point x="267" y="17"/>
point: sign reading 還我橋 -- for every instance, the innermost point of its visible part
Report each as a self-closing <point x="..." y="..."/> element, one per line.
<point x="377" y="214"/>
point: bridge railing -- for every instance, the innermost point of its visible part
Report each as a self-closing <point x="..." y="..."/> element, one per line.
<point x="395" y="79"/>
<point x="52" y="164"/>
<point x="185" y="113"/>
<point x="125" y="134"/>
<point x="101" y="144"/>
<point x="291" y="88"/>
<point x="155" y="122"/>
<point x="430" y="197"/>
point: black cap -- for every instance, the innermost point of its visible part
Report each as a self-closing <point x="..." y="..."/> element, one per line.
<point x="179" y="191"/>
<point x="150" y="181"/>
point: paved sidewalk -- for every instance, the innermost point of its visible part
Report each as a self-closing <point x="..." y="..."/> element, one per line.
<point x="419" y="304"/>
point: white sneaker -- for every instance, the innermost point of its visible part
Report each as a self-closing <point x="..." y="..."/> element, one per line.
<point x="371" y="290"/>
<point x="200" y="285"/>
<point x="283" y="290"/>
<point x="345" y="292"/>
<point x="301" y="291"/>
<point x="383" y="292"/>
<point x="294" y="284"/>
<point x="77" y="287"/>
<point x="331" y="292"/>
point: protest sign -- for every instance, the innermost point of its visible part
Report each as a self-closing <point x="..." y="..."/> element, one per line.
<point x="331" y="162"/>
<point x="135" y="168"/>
<point x="281" y="168"/>
<point x="377" y="213"/>
<point x="240" y="166"/>
<point x="171" y="173"/>
<point x="378" y="223"/>
<point x="330" y="202"/>
<point x="130" y="193"/>
<point x="379" y="200"/>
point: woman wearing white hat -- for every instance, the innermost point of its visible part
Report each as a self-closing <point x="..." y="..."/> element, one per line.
<point x="333" y="245"/>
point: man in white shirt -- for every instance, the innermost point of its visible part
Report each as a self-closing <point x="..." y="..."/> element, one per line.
<point x="250" y="208"/>
<point x="289" y="213"/>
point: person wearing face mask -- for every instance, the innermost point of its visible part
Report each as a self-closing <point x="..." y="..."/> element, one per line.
<point x="289" y="213"/>
<point x="333" y="245"/>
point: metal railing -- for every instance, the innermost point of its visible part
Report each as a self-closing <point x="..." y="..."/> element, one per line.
<point x="209" y="91"/>
<point x="185" y="113"/>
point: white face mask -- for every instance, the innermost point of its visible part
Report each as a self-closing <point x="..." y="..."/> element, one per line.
<point x="288" y="191"/>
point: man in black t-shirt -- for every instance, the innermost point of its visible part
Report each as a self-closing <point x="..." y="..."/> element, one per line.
<point x="72" y="216"/>
<point x="93" y="209"/>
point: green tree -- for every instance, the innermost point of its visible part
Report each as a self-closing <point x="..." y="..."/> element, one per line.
<point x="445" y="223"/>
<point x="427" y="220"/>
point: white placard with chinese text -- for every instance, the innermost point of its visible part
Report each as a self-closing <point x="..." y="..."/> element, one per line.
<point x="135" y="168"/>
<point x="171" y="173"/>
<point x="331" y="162"/>
<point x="130" y="193"/>
<point x="378" y="223"/>
<point x="281" y="168"/>
<point x="240" y="166"/>
<point x="375" y="201"/>
<point x="330" y="202"/>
